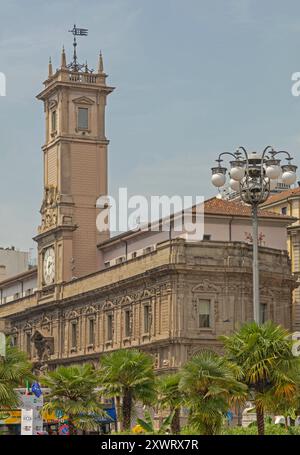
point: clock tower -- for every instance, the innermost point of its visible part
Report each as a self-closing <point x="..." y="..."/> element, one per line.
<point x="75" y="172"/>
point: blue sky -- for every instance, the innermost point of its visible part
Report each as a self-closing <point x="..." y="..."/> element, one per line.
<point x="193" y="78"/>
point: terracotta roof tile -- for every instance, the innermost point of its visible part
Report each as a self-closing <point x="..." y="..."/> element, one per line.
<point x="283" y="195"/>
<point x="215" y="206"/>
<point x="225" y="207"/>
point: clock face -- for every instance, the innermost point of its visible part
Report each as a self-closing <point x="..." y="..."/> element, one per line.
<point x="49" y="266"/>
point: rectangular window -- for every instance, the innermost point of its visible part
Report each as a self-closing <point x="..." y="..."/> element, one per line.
<point x="53" y="121"/>
<point x="146" y="318"/>
<point x="264" y="313"/>
<point x="206" y="237"/>
<point x="284" y="211"/>
<point x="127" y="323"/>
<point x="204" y="314"/>
<point x="74" y="335"/>
<point x="14" y="340"/>
<point x="91" y="331"/>
<point x="120" y="260"/>
<point x="83" y="118"/>
<point x="109" y="327"/>
<point x="149" y="249"/>
<point x="28" y="343"/>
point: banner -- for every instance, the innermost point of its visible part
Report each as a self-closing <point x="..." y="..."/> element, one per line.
<point x="26" y="422"/>
<point x="35" y="404"/>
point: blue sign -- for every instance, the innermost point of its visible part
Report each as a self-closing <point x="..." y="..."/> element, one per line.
<point x="36" y="389"/>
<point x="111" y="416"/>
<point x="229" y="416"/>
<point x="64" y="430"/>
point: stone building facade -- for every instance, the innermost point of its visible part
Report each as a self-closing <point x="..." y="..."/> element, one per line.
<point x="288" y="203"/>
<point x="158" y="292"/>
<point x="171" y="302"/>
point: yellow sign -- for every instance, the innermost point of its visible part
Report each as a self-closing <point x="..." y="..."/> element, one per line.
<point x="14" y="417"/>
<point x="10" y="417"/>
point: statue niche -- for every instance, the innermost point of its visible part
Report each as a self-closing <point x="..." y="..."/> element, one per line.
<point x="44" y="346"/>
<point x="49" y="208"/>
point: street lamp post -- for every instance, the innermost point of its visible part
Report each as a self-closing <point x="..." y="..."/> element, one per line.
<point x="253" y="176"/>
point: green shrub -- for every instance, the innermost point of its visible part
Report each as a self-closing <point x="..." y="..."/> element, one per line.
<point x="189" y="430"/>
<point x="271" y="429"/>
<point x="294" y="430"/>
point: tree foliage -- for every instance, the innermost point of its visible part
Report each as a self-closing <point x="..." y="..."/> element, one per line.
<point x="15" y="369"/>
<point x="211" y="385"/>
<point x="268" y="366"/>
<point x="129" y="375"/>
<point x="73" y="393"/>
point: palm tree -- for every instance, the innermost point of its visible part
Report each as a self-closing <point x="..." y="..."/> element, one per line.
<point x="211" y="385"/>
<point x="171" y="397"/>
<point x="127" y="375"/>
<point x="15" y="369"/>
<point x="148" y="424"/>
<point x="73" y="393"/>
<point x="269" y="368"/>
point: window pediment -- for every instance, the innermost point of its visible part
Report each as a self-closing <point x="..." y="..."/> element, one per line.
<point x="205" y="286"/>
<point x="53" y="104"/>
<point x="84" y="100"/>
<point x="126" y="300"/>
<point x="90" y="310"/>
<point x="108" y="305"/>
<point x="73" y="314"/>
<point x="147" y="294"/>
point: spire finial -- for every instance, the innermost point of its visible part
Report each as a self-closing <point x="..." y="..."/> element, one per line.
<point x="100" y="63"/>
<point x="63" y="58"/>
<point x="50" y="70"/>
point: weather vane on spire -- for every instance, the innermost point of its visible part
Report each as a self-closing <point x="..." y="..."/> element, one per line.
<point x="74" y="65"/>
